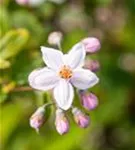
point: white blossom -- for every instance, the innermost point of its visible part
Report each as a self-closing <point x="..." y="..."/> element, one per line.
<point x="63" y="71"/>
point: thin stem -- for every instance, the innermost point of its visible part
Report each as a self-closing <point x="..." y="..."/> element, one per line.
<point x="59" y="45"/>
<point x="22" y="89"/>
<point x="48" y="104"/>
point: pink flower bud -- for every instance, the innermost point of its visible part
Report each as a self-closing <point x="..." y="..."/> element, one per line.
<point x="80" y="118"/>
<point x="38" y="118"/>
<point x="93" y="65"/>
<point x="61" y="122"/>
<point x="88" y="100"/>
<point x="91" y="44"/>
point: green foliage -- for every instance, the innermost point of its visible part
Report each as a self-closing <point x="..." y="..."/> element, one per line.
<point x="4" y="21"/>
<point x="13" y="42"/>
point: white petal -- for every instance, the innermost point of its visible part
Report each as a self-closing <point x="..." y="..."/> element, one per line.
<point x="63" y="94"/>
<point x="65" y="59"/>
<point x="83" y="79"/>
<point x="52" y="57"/>
<point x="43" y="79"/>
<point x="75" y="58"/>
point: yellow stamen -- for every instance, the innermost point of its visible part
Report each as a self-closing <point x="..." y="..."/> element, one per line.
<point x="65" y="72"/>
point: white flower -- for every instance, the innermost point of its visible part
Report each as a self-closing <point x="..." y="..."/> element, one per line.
<point x="61" y="73"/>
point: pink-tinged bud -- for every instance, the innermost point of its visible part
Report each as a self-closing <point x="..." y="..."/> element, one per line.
<point x="93" y="65"/>
<point x="61" y="122"/>
<point x="91" y="44"/>
<point x="88" y="100"/>
<point x="80" y="118"/>
<point x="38" y="118"/>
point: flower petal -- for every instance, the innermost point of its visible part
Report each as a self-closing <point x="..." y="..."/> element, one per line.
<point x="63" y="94"/>
<point x="75" y="58"/>
<point x="43" y="79"/>
<point x="83" y="79"/>
<point x="52" y="57"/>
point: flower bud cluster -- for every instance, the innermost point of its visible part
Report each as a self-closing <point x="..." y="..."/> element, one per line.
<point x="64" y="100"/>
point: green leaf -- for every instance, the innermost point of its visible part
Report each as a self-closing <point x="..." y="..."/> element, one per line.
<point x="4" y="21"/>
<point x="13" y="42"/>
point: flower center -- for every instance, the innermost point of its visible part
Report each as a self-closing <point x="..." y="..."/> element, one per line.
<point x="65" y="72"/>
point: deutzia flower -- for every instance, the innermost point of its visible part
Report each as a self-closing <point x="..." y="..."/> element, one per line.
<point x="63" y="71"/>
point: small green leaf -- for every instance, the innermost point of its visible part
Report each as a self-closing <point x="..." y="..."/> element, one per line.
<point x="4" y="21"/>
<point x="13" y="42"/>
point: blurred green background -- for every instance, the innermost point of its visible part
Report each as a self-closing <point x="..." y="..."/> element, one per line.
<point x="23" y="29"/>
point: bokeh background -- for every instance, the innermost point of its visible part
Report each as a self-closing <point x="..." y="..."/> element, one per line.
<point x="23" y="29"/>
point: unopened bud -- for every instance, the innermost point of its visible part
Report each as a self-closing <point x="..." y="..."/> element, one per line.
<point x="38" y="118"/>
<point x="61" y="122"/>
<point x="80" y="118"/>
<point x="93" y="65"/>
<point x="91" y="44"/>
<point x="55" y="38"/>
<point x="88" y="100"/>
